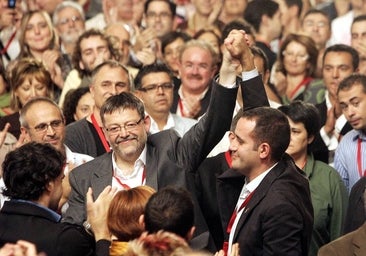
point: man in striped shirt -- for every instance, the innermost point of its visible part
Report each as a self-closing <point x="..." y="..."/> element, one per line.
<point x="350" y="156"/>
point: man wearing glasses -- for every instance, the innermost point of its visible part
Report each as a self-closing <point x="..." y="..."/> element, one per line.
<point x="154" y="86"/>
<point x="42" y="121"/>
<point x="164" y="158"/>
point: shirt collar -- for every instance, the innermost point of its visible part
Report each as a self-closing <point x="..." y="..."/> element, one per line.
<point x="140" y="162"/>
<point x="55" y="216"/>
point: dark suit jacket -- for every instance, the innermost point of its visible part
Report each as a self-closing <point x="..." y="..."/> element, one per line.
<point x="356" y="214"/>
<point x="205" y="101"/>
<point x="352" y="244"/>
<point x="171" y="160"/>
<point x="21" y="220"/>
<point x="278" y="219"/>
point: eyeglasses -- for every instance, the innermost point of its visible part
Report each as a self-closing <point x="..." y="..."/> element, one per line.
<point x="302" y="57"/>
<point x="42" y="127"/>
<point x="74" y="19"/>
<point x="155" y="87"/>
<point x="130" y="126"/>
<point x="162" y="15"/>
<point x="320" y="24"/>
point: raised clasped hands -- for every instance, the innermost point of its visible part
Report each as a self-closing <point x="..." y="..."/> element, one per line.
<point x="237" y="56"/>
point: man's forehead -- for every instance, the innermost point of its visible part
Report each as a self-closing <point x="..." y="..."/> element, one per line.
<point x="41" y="112"/>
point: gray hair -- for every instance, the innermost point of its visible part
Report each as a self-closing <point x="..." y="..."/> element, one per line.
<point x="63" y="5"/>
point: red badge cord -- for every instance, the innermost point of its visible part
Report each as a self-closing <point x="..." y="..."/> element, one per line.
<point x="100" y="133"/>
<point x="359" y="159"/>
<point x="125" y="186"/>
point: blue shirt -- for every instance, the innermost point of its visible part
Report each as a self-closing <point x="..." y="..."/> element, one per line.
<point x="345" y="159"/>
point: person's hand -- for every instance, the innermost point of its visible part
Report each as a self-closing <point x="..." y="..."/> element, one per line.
<point x="330" y="122"/>
<point x="234" y="251"/>
<point x="236" y="55"/>
<point x="146" y="56"/>
<point x="144" y="39"/>
<point x="21" y="248"/>
<point x="49" y="59"/>
<point x="97" y="212"/>
<point x="216" y="10"/>
<point x="3" y="134"/>
<point x="279" y="80"/>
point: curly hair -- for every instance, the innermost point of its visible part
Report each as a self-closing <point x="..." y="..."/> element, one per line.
<point x="71" y="102"/>
<point x="28" y="169"/>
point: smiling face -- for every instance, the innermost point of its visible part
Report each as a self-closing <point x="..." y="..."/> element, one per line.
<point x="127" y="144"/>
<point x="159" y="17"/>
<point x="38" y="34"/>
<point x="29" y="89"/>
<point x="70" y="24"/>
<point x="244" y="151"/>
<point x="196" y="69"/>
<point x="45" y="113"/>
<point x="107" y="82"/>
<point x="295" y="59"/>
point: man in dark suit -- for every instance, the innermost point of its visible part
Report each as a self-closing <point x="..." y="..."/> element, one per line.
<point x="264" y="200"/>
<point x="33" y="177"/>
<point x="164" y="158"/>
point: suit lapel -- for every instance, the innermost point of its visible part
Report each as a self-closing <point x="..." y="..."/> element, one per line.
<point x="358" y="241"/>
<point x="152" y="157"/>
<point x="260" y="192"/>
<point x="102" y="175"/>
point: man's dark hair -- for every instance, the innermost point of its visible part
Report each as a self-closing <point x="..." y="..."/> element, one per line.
<point x="271" y="127"/>
<point x="256" y="9"/>
<point x="305" y="113"/>
<point x="316" y="11"/>
<point x="344" y="48"/>
<point x="171" y="36"/>
<point x="76" y="56"/>
<point x="352" y="80"/>
<point x="258" y="52"/>
<point x="359" y="19"/>
<point x="152" y="68"/>
<point x="172" y="6"/>
<point x="28" y="169"/>
<point x="124" y="100"/>
<point x="239" y="25"/>
<point x="170" y="209"/>
<point x="298" y="3"/>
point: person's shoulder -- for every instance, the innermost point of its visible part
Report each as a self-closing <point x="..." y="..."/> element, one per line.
<point x="82" y="123"/>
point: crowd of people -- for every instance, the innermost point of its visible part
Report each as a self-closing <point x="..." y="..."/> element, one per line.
<point x="182" y="127"/>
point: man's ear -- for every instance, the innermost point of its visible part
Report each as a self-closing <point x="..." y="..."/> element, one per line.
<point x="190" y="233"/>
<point x="142" y="221"/>
<point x="311" y="139"/>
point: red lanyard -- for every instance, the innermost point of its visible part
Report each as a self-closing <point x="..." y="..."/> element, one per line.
<point x="100" y="133"/>
<point x="298" y="87"/>
<point x="225" y="246"/>
<point x="228" y="158"/>
<point x="5" y="49"/>
<point x="125" y="186"/>
<point x="359" y="159"/>
<point x="180" y="105"/>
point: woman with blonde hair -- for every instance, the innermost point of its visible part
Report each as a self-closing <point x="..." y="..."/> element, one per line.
<point x="124" y="220"/>
<point x="39" y="40"/>
<point x="28" y="79"/>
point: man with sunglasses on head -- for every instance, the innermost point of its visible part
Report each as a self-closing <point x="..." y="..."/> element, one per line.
<point x="154" y="86"/>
